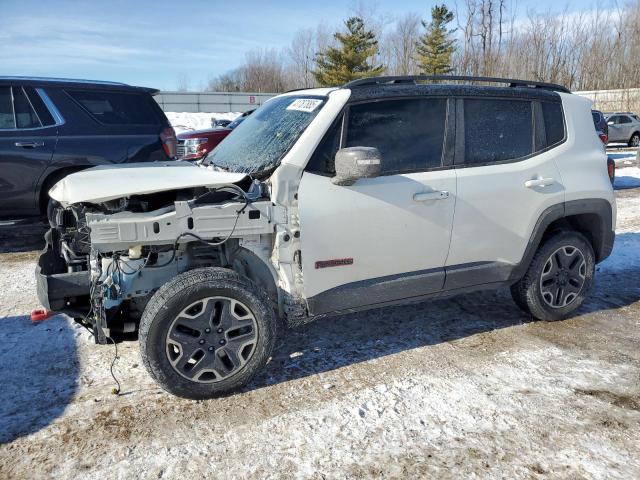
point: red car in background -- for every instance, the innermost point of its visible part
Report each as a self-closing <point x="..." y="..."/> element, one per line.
<point x="197" y="144"/>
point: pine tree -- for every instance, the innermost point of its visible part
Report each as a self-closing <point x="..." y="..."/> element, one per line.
<point x="336" y="66"/>
<point x="435" y="48"/>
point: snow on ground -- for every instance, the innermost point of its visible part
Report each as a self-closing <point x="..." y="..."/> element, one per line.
<point x="460" y="388"/>
<point x="628" y="177"/>
<point x="623" y="157"/>
<point x="186" y="121"/>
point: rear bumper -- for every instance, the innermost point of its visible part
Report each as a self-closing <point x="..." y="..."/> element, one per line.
<point x="58" y="290"/>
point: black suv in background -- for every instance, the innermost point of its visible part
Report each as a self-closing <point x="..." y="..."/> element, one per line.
<point x="50" y="128"/>
<point x="600" y="122"/>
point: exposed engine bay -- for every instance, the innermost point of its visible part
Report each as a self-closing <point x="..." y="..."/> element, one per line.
<point x="104" y="260"/>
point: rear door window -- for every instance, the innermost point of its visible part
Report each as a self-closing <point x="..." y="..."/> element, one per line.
<point x="26" y="116"/>
<point x="45" y="117"/>
<point x="497" y="130"/>
<point x="7" y="120"/>
<point x="409" y="132"/>
<point x="624" y="119"/>
<point x="117" y="108"/>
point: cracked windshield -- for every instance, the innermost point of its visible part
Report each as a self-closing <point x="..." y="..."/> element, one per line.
<point x="266" y="135"/>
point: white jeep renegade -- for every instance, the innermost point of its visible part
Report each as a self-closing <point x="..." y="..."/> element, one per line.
<point x="384" y="191"/>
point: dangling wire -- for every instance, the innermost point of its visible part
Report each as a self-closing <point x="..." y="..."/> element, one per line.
<point x="115" y="391"/>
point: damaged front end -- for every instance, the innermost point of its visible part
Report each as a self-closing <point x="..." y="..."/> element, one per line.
<point x="108" y="254"/>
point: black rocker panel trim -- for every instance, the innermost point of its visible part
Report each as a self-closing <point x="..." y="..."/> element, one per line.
<point x="477" y="273"/>
<point x="383" y="289"/>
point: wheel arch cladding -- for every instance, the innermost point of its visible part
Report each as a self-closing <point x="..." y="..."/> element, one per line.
<point x="591" y="217"/>
<point x="247" y="263"/>
<point x="594" y="219"/>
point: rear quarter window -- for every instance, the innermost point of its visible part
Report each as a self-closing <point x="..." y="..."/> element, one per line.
<point x="117" y="108"/>
<point x="553" y="123"/>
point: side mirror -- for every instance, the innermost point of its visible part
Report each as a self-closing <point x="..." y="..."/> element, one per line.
<point x="609" y="123"/>
<point x="353" y="163"/>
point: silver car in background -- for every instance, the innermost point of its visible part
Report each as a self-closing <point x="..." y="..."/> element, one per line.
<point x="624" y="127"/>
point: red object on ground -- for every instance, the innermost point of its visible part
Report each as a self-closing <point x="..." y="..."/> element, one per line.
<point x="40" y="315"/>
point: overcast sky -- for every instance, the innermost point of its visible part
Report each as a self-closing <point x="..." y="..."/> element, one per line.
<point x="152" y="43"/>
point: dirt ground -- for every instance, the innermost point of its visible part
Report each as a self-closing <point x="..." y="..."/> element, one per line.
<point x="461" y="388"/>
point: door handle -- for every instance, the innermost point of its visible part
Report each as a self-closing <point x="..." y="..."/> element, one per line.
<point x="539" y="182"/>
<point x="427" y="196"/>
<point x="29" y="144"/>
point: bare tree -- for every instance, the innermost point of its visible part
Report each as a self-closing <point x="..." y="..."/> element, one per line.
<point x="301" y="53"/>
<point x="183" y="83"/>
<point x="399" y="45"/>
<point x="263" y="71"/>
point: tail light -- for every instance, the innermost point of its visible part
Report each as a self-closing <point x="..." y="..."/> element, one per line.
<point x="169" y="142"/>
<point x="604" y="137"/>
<point x="611" y="169"/>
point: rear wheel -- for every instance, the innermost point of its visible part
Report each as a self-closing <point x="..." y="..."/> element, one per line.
<point x="206" y="333"/>
<point x="635" y="140"/>
<point x="558" y="279"/>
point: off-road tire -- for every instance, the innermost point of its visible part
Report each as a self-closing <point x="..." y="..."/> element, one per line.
<point x="176" y="295"/>
<point x="527" y="292"/>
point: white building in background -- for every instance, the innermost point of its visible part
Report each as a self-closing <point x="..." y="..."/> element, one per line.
<point x="624" y="100"/>
<point x="211" y="102"/>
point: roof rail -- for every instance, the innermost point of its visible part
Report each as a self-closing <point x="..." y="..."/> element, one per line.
<point x="61" y="80"/>
<point x="413" y="79"/>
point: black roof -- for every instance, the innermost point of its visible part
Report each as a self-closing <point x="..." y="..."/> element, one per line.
<point x="451" y="85"/>
<point x="379" y="91"/>
<point x="413" y="79"/>
<point x="72" y="83"/>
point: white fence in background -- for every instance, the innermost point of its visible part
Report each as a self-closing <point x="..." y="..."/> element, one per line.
<point x="214" y="102"/>
<point x="627" y="100"/>
<point x="210" y="102"/>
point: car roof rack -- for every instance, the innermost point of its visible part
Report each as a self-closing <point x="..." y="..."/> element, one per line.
<point x="61" y="80"/>
<point x="413" y="79"/>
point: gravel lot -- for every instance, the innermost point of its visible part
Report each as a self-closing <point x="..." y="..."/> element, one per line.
<point x="459" y="388"/>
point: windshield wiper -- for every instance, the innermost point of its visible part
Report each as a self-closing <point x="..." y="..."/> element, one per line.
<point x="208" y="163"/>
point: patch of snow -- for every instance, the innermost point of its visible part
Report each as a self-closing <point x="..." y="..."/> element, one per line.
<point x="628" y="177"/>
<point x="187" y="121"/>
<point x="623" y="157"/>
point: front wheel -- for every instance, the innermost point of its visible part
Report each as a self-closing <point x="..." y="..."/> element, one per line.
<point x="206" y="333"/>
<point x="558" y="279"/>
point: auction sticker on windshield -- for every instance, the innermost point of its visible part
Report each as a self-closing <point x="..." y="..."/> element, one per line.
<point x="304" y="104"/>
